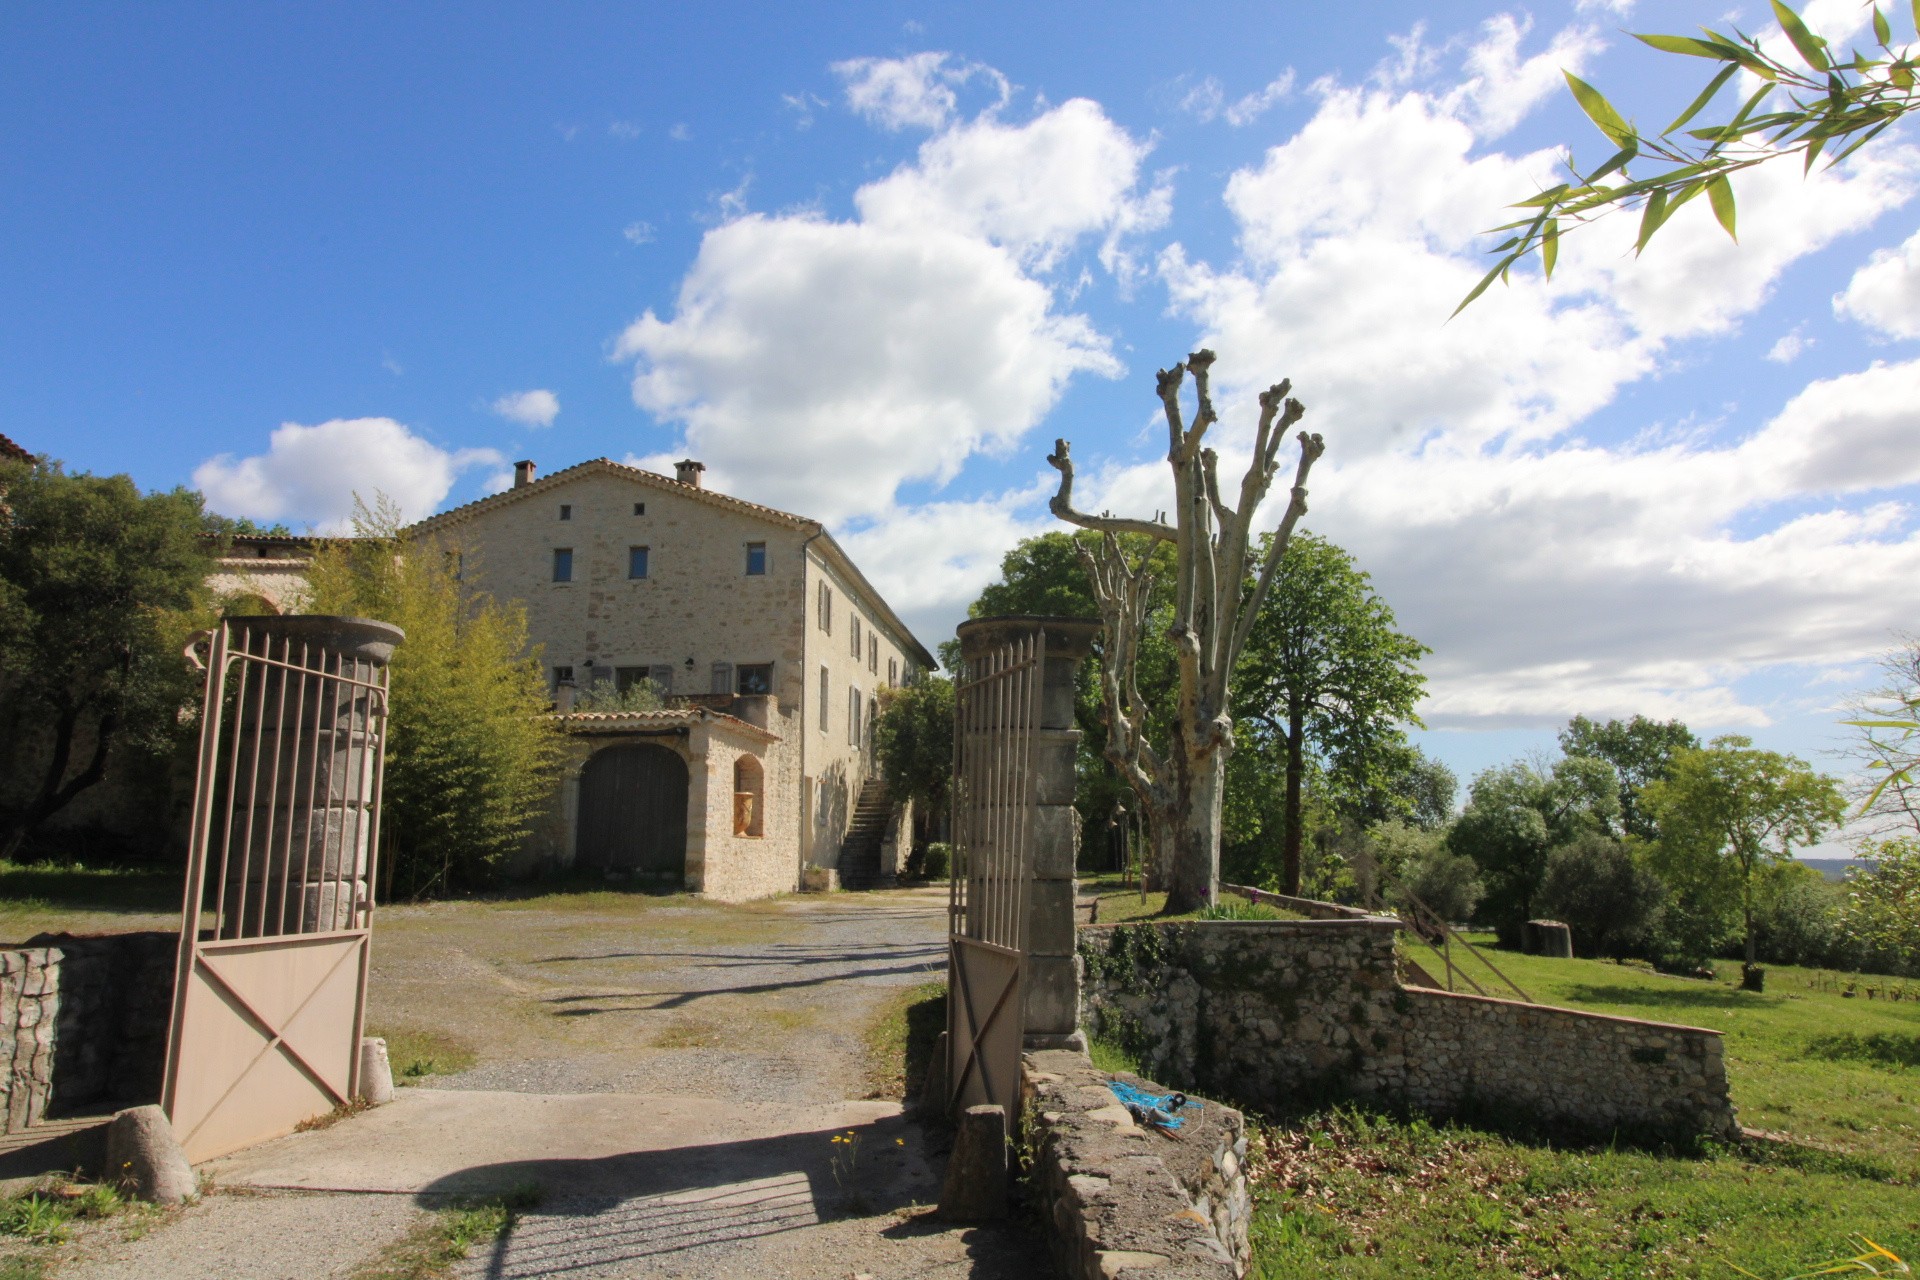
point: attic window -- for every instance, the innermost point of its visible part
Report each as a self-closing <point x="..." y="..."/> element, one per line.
<point x="639" y="508"/>
<point x="566" y="511"/>
<point x="756" y="559"/>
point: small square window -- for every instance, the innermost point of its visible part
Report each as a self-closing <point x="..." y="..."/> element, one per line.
<point x="566" y="511"/>
<point x="754" y="678"/>
<point x="562" y="675"/>
<point x="563" y="564"/>
<point x="756" y="558"/>
<point x="636" y="562"/>
<point x="639" y="508"/>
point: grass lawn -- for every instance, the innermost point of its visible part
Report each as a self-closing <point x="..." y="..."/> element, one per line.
<point x="1356" y="1193"/>
<point x="1123" y="904"/>
<point x="72" y="897"/>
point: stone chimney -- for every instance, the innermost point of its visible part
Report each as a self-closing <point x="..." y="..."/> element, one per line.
<point x="523" y="473"/>
<point x="687" y="472"/>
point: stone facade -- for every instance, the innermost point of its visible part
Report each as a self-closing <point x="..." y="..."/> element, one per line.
<point x="1116" y="1199"/>
<point x="694" y="619"/>
<point x="83" y="1021"/>
<point x="1273" y="1012"/>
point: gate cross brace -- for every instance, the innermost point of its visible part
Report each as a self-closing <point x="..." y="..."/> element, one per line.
<point x="978" y="1027"/>
<point x="275" y="1039"/>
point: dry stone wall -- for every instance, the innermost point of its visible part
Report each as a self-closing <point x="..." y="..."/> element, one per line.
<point x="83" y="1020"/>
<point x="1122" y="1201"/>
<point x="1274" y="1013"/>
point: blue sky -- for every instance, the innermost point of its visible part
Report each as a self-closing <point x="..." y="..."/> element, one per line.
<point x="868" y="260"/>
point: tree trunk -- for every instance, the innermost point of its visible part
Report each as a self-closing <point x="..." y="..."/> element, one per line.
<point x="1291" y="835"/>
<point x="54" y="795"/>
<point x="1195" y="833"/>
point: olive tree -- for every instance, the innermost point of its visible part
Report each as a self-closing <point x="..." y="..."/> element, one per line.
<point x="1217" y="594"/>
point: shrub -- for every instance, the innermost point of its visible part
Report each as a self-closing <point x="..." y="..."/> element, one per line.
<point x="1447" y="883"/>
<point x="1607" y="899"/>
<point x="939" y="861"/>
<point x="1798" y="919"/>
<point x="1882" y="911"/>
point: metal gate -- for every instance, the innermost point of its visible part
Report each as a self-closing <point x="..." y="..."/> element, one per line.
<point x="270" y="991"/>
<point x="996" y="718"/>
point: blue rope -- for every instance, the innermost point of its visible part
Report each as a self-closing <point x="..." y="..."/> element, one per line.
<point x="1150" y="1108"/>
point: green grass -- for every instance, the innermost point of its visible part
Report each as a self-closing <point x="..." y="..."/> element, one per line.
<point x="76" y="897"/>
<point x="1802" y="1059"/>
<point x="1123" y="904"/>
<point x="899" y="1040"/>
<point x="1111" y="1055"/>
<point x="1353" y="1193"/>
<point x="415" y="1053"/>
<point x="432" y="1248"/>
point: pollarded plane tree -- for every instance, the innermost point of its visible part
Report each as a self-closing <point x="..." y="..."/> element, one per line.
<point x="1217" y="594"/>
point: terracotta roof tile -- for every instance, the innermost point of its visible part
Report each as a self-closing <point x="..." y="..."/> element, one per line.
<point x="8" y="449"/>
<point x="650" y="478"/>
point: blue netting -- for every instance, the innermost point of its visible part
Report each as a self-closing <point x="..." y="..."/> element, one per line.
<point x="1152" y="1108"/>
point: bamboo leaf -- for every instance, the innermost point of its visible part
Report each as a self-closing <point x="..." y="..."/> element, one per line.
<point x="1619" y="161"/>
<point x="1720" y="195"/>
<point x="1498" y="270"/>
<point x="1810" y="46"/>
<point x="1706" y="96"/>
<point x="1813" y="154"/>
<point x="1688" y="45"/>
<point x="1901" y="75"/>
<point x="1550" y="246"/>
<point x="1600" y="111"/>
<point x="1651" y="218"/>
<point x="1882" y="29"/>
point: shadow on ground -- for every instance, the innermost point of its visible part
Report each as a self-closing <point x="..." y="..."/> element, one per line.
<point x="608" y="1216"/>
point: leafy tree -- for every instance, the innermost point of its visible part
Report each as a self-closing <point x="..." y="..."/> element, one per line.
<point x="1447" y="883"/>
<point x="1422" y="790"/>
<point x="1802" y="107"/>
<point x="1326" y="675"/>
<point x="1798" y="920"/>
<point x="1640" y="751"/>
<point x="240" y="526"/>
<point x="473" y="755"/>
<point x="1517" y="815"/>
<point x="913" y="740"/>
<point x="1882" y="910"/>
<point x="605" y="695"/>
<point x="1180" y="786"/>
<point x="1607" y="898"/>
<point x="1727" y="809"/>
<point x="100" y="587"/>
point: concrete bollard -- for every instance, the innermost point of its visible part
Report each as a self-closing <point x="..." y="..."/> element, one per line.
<point x="975" y="1189"/>
<point x="376" y="1073"/>
<point x="145" y="1157"/>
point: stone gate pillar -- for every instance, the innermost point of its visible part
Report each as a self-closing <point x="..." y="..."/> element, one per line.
<point x="1051" y="1018"/>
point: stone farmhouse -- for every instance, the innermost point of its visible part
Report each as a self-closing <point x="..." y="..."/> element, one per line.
<point x="767" y="644"/>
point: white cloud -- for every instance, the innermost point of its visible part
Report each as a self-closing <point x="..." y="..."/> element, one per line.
<point x="819" y="365"/>
<point x="638" y="233"/>
<point x="1884" y="293"/>
<point x="1207" y="100"/>
<point x="680" y="133"/>
<point x="917" y="91"/>
<point x="529" y="408"/>
<point x="1788" y="347"/>
<point x="1552" y="574"/>
<point x="311" y="474"/>
<point x="624" y="130"/>
<point x="932" y="559"/>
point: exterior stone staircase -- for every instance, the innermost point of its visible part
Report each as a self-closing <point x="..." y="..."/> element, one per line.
<point x="860" y="866"/>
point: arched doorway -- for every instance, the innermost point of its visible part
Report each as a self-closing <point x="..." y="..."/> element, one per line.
<point x="633" y="812"/>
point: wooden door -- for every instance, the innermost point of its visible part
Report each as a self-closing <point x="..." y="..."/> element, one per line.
<point x="633" y="812"/>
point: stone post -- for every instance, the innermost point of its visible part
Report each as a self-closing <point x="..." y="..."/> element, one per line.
<point x="1052" y="982"/>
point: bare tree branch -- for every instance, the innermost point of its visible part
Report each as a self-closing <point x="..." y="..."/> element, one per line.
<point x="1062" y="504"/>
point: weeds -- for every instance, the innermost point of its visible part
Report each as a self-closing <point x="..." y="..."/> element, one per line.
<point x="44" y="1216"/>
<point x="414" y="1054"/>
<point x="431" y="1249"/>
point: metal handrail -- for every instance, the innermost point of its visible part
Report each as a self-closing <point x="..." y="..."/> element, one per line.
<point x="1449" y="935"/>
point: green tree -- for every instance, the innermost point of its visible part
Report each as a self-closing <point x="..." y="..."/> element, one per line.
<point x="1519" y="814"/>
<point x="473" y="753"/>
<point x="1882" y="910"/>
<point x="1326" y="677"/>
<point x="1422" y="790"/>
<point x="1640" y="751"/>
<point x="1608" y="898"/>
<point x="1727" y="809"/>
<point x="1886" y="740"/>
<point x="1807" y="105"/>
<point x="100" y="587"/>
<point x="913" y="740"/>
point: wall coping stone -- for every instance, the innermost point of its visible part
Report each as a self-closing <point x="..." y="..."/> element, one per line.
<point x="1562" y="1011"/>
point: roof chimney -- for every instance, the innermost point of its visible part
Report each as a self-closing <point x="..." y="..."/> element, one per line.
<point x="687" y="472"/>
<point x="523" y="474"/>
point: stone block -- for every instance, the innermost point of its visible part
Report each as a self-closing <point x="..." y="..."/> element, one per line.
<point x="144" y="1156"/>
<point x="975" y="1187"/>
<point x="1050" y="929"/>
<point x="1052" y="995"/>
<point x="1051" y="842"/>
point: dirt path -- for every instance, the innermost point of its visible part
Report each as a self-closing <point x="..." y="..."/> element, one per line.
<point x="672" y="1075"/>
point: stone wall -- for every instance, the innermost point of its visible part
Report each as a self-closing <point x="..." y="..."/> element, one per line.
<point x="1272" y="1013"/>
<point x="83" y="1021"/>
<point x="1120" y="1200"/>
